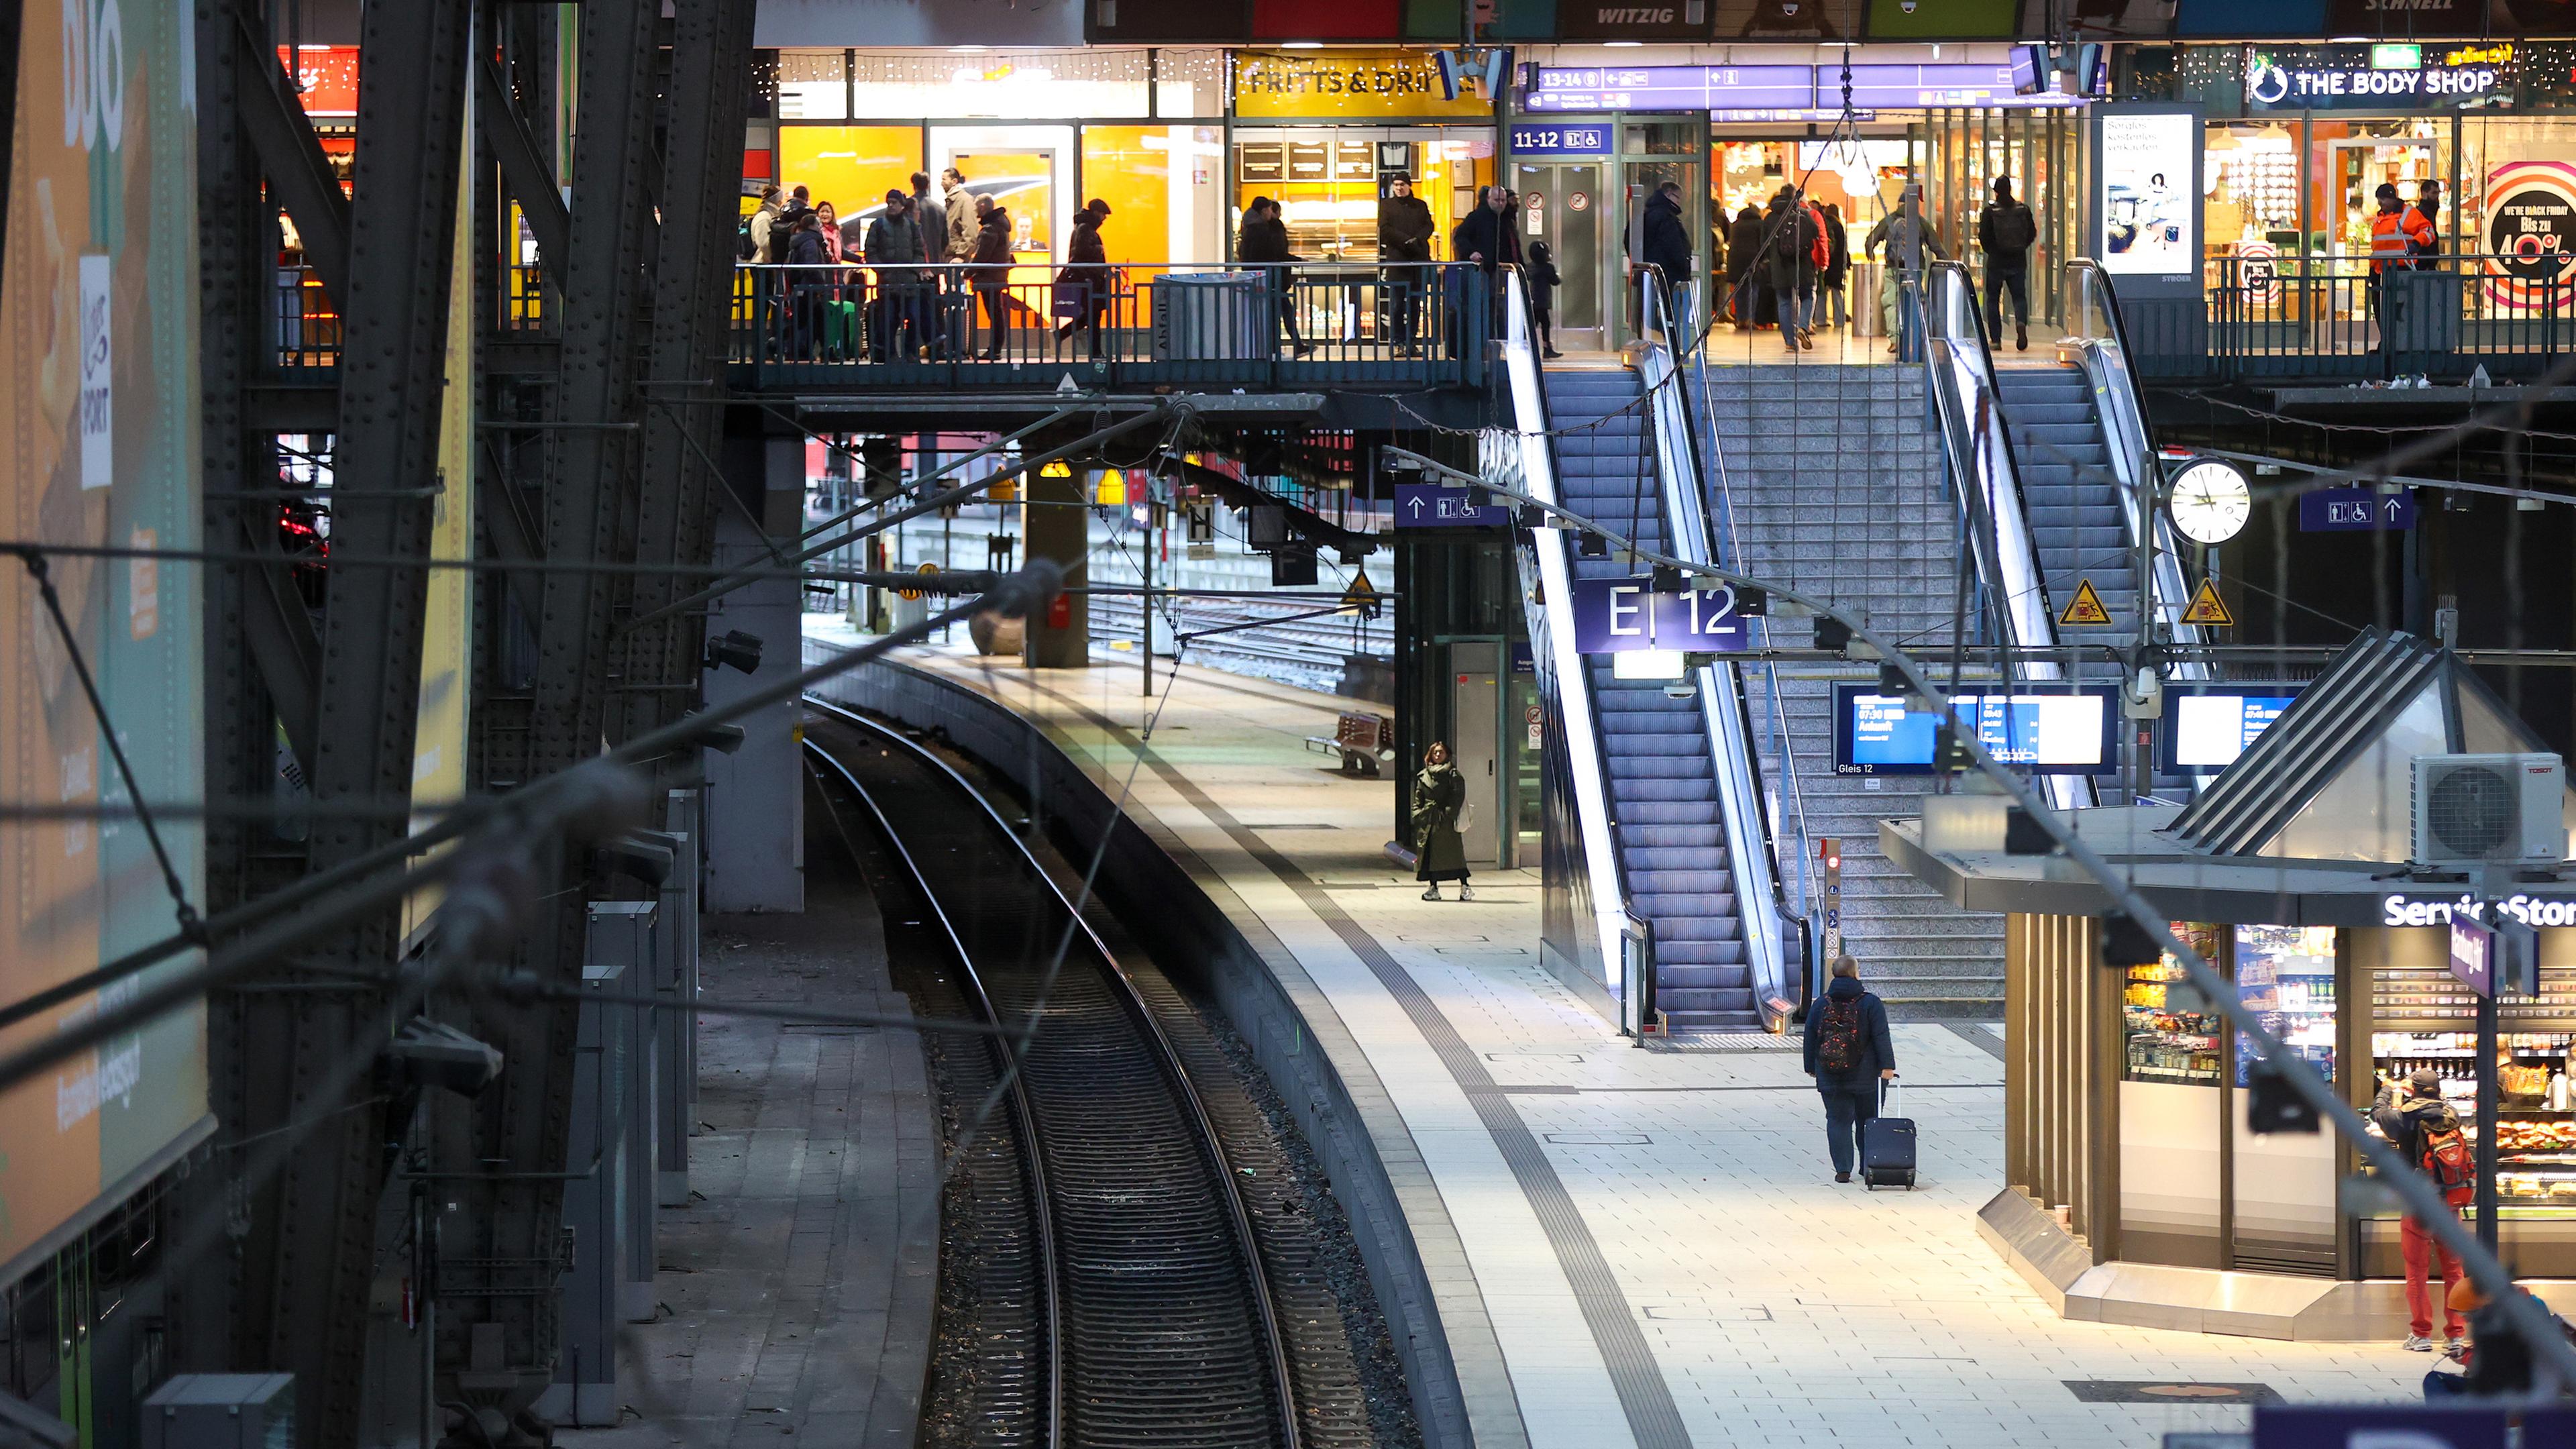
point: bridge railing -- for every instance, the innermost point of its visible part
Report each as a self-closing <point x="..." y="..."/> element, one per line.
<point x="1011" y="325"/>
<point x="2334" y="317"/>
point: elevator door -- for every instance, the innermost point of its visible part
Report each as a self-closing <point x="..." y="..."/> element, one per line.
<point x="1475" y="705"/>
<point x="1562" y="205"/>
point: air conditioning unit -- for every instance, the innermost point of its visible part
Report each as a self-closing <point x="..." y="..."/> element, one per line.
<point x="2488" y="810"/>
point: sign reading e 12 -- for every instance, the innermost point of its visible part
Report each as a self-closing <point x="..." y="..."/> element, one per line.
<point x="1560" y="140"/>
<point x="1613" y="616"/>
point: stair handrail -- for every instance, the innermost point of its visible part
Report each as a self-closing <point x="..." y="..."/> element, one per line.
<point x="1530" y="452"/>
<point x="1760" y="904"/>
<point x="1959" y="374"/>
<point x="2131" y="433"/>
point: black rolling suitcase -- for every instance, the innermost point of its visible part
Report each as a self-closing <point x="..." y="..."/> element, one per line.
<point x="1887" y="1147"/>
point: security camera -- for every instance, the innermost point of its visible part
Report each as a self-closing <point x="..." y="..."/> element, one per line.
<point x="735" y="648"/>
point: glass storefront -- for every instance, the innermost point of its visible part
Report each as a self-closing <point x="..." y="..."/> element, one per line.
<point x="1325" y="133"/>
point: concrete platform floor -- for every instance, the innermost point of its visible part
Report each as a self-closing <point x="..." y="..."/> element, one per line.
<point x="799" y="1280"/>
<point x="1649" y="1247"/>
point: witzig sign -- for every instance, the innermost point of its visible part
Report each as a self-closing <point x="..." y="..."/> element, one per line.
<point x="2406" y="910"/>
<point x="1615" y="616"/>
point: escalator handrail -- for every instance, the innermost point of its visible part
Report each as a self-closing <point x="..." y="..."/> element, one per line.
<point x="1734" y="763"/>
<point x="2094" y="296"/>
<point x="2019" y="584"/>
<point x="1536" y="425"/>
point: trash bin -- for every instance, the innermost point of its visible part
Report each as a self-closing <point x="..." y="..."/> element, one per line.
<point x="1866" y="278"/>
<point x="1209" y="316"/>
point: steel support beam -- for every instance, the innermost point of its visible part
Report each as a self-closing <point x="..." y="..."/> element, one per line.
<point x="585" y="503"/>
<point x="692" y="296"/>
<point x="312" y="1242"/>
<point x="291" y="155"/>
<point x="531" y="182"/>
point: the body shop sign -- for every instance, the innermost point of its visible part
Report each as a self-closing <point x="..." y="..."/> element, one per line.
<point x="2344" y="77"/>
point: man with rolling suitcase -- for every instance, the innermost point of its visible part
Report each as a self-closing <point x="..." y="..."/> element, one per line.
<point x="1849" y="1054"/>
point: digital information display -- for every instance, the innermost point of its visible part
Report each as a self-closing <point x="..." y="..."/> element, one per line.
<point x="2206" y="729"/>
<point x="2049" y="734"/>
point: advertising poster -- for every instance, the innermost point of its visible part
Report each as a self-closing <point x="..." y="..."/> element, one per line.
<point x="98" y="304"/>
<point x="2531" y="236"/>
<point x="2149" y="206"/>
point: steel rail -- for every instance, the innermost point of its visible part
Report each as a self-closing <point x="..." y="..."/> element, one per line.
<point x="1167" y="1057"/>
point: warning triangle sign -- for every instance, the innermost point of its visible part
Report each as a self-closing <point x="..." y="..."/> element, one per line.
<point x="1361" y="597"/>
<point x="2086" y="607"/>
<point x="2207" y="608"/>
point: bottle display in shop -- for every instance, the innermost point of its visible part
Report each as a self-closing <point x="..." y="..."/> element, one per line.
<point x="2173" y="1031"/>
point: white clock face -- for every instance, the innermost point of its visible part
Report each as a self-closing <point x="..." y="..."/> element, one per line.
<point x="2209" y="502"/>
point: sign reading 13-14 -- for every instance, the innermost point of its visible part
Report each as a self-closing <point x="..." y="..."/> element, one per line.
<point x="1614" y="616"/>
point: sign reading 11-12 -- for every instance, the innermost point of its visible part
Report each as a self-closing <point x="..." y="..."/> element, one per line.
<point x="1614" y="616"/>
<point x="1560" y="140"/>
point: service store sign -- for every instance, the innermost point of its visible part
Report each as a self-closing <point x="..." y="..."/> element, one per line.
<point x="2405" y="910"/>
<point x="2382" y="77"/>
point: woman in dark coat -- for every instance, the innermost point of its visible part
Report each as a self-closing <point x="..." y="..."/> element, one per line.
<point x="1743" y="245"/>
<point x="1439" y="793"/>
<point x="1082" y="289"/>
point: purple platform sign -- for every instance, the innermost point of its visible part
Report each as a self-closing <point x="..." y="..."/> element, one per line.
<point x="1615" y="616"/>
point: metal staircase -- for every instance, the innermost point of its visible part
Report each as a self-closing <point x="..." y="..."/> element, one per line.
<point x="1829" y="478"/>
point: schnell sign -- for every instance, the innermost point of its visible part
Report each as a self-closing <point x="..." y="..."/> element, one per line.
<point x="1614" y="616"/>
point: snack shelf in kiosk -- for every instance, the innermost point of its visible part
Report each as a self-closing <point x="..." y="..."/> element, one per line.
<point x="2536" y="1113"/>
<point x="2173" y="1034"/>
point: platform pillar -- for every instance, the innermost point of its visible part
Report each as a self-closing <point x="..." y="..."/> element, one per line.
<point x="755" y="797"/>
<point x="1059" y="635"/>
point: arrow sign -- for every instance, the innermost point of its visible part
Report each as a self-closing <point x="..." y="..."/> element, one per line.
<point x="2086" y="607"/>
<point x="1432" y="505"/>
<point x="2342" y="510"/>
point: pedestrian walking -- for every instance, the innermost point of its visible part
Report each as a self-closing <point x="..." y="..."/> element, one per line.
<point x="1665" y="246"/>
<point x="1439" y="817"/>
<point x="992" y="272"/>
<point x="1906" y="236"/>
<point x="1083" y="289"/>
<point x="1743" y="276"/>
<point x="2428" y="240"/>
<point x="1404" y="228"/>
<point x="1849" y="1054"/>
<point x="1543" y="284"/>
<point x="2426" y="1132"/>
<point x="2397" y="234"/>
<point x="1833" y="284"/>
<point x="2006" y="230"/>
<point x="1264" y="243"/>
<point x="1789" y="241"/>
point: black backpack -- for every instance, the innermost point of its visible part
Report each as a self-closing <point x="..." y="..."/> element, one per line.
<point x="2015" y="229"/>
<point x="742" y="247"/>
<point x="1838" y="1039"/>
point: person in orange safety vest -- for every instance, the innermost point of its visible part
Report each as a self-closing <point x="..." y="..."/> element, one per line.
<point x="2392" y="230"/>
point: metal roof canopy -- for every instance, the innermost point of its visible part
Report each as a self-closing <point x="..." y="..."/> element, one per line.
<point x="2332" y="778"/>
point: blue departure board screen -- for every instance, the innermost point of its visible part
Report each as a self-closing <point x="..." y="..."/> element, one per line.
<point x="2060" y="732"/>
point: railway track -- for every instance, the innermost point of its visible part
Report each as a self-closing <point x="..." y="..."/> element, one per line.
<point x="1131" y="1279"/>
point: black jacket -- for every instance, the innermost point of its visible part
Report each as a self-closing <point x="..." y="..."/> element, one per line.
<point x="1743" y="243"/>
<point x="1667" y="242"/>
<point x="1544" y="279"/>
<point x="2404" y="1119"/>
<point x="1481" y="233"/>
<point x="1263" y="241"/>
<point x="993" y="249"/>
<point x="1086" y="260"/>
<point x="1837" y="237"/>
<point x="805" y="249"/>
<point x="1404" y="229"/>
<point x="2009" y="258"/>
<point x="1877" y="1050"/>
<point x="1790" y="238"/>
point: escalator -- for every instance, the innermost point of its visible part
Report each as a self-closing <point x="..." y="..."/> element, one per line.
<point x="2072" y="502"/>
<point x="1654" y="838"/>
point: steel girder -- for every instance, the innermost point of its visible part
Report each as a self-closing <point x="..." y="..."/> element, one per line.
<point x="291" y="155"/>
<point x="583" y="501"/>
<point x="692" y="304"/>
<point x="312" y="1241"/>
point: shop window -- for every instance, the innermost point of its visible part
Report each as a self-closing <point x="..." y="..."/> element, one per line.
<point x="1161" y="183"/>
<point x="1660" y="138"/>
<point x="2286" y="976"/>
<point x="1328" y="180"/>
<point x="2174" y="1029"/>
<point x="1189" y="83"/>
<point x="813" y="85"/>
<point x="853" y="167"/>
<point x="1010" y="85"/>
<point x="2348" y="161"/>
